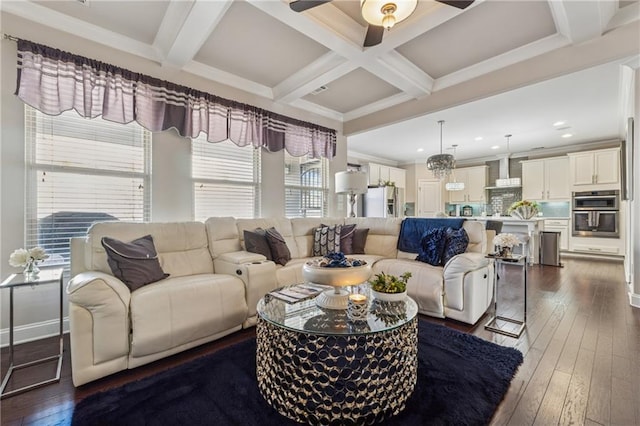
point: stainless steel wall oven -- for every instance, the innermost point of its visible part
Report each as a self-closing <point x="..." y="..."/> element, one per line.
<point x="596" y="214"/>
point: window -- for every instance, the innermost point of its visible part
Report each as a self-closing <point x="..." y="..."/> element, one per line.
<point x="226" y="179"/>
<point x="82" y="171"/>
<point x="306" y="186"/>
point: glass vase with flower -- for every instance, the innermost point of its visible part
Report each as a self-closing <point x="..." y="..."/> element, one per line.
<point x="28" y="259"/>
<point x="504" y="243"/>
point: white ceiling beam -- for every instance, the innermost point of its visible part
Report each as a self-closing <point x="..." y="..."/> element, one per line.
<point x="65" y="23"/>
<point x="583" y="20"/>
<point x="224" y="77"/>
<point x="511" y="57"/>
<point x="624" y="16"/>
<point x="317" y="109"/>
<point x="174" y="17"/>
<point x="202" y="19"/>
<point x="377" y="106"/>
<point x="328" y="67"/>
<point x="406" y="75"/>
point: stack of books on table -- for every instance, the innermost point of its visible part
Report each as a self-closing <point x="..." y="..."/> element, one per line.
<point x="298" y="292"/>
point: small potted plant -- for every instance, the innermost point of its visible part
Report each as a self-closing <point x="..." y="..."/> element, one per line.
<point x="389" y="288"/>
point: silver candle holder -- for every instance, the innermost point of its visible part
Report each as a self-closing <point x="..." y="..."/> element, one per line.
<point x="357" y="307"/>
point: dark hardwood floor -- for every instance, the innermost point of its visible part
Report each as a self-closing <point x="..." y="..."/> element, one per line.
<point x="581" y="352"/>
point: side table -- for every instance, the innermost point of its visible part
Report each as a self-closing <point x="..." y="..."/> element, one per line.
<point x="492" y="324"/>
<point x="46" y="276"/>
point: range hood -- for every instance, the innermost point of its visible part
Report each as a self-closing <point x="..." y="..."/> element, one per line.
<point x="505" y="181"/>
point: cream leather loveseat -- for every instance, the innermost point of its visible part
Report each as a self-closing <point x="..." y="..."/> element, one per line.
<point x="214" y="285"/>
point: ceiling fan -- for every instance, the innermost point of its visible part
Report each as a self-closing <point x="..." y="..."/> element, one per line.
<point x="380" y="14"/>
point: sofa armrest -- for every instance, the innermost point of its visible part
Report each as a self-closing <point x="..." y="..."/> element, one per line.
<point x="454" y="274"/>
<point x="241" y="257"/>
<point x="258" y="276"/>
<point x="99" y="325"/>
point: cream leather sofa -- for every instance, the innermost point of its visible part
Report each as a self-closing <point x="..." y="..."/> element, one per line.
<point x="113" y="329"/>
<point x="461" y="290"/>
<point x="214" y="285"/>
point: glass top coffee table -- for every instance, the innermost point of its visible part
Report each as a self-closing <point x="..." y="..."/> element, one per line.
<point x="317" y="366"/>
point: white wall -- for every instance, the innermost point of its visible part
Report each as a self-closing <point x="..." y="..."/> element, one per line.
<point x="36" y="309"/>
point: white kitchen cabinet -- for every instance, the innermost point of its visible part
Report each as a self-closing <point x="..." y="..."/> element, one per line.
<point x="398" y="177"/>
<point x="429" y="198"/>
<point x="546" y="179"/>
<point x="607" y="246"/>
<point x="379" y="174"/>
<point x="374" y="174"/>
<point x="597" y="169"/>
<point x="474" y="179"/>
<point x="561" y="226"/>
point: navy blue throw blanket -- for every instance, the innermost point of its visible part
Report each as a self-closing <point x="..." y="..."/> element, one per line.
<point x="412" y="229"/>
<point x="461" y="381"/>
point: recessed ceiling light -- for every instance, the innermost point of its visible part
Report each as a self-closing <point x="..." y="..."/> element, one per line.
<point x="495" y="147"/>
<point x="420" y="149"/>
<point x="478" y="138"/>
<point x="567" y="135"/>
<point x="559" y="123"/>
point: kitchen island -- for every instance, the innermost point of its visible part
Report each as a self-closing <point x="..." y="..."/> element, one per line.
<point x="529" y="227"/>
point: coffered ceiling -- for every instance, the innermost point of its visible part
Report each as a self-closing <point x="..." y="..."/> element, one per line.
<point x="315" y="61"/>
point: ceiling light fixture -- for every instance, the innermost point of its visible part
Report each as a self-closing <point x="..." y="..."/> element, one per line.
<point x="478" y="138"/>
<point x="420" y="149"/>
<point x="384" y="13"/>
<point x="559" y="123"/>
<point x="495" y="147"/>
<point x="441" y="164"/>
<point x="455" y="185"/>
<point x="567" y="135"/>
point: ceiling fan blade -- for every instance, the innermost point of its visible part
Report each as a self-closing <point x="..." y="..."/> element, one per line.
<point x="374" y="35"/>
<point x="302" y="5"/>
<point x="460" y="4"/>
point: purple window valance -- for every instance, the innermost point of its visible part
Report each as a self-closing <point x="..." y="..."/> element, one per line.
<point x="54" y="81"/>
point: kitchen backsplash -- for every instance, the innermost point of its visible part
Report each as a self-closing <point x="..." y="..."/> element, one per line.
<point x="548" y="209"/>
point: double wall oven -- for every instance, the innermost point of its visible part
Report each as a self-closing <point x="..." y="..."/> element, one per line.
<point x="596" y="214"/>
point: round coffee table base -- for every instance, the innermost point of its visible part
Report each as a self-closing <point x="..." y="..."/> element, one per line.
<point x="334" y="379"/>
<point x="335" y="298"/>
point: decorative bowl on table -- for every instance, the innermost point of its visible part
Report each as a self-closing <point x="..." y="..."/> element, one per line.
<point x="337" y="271"/>
<point x="524" y="209"/>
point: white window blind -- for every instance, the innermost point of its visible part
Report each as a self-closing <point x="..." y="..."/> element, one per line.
<point x="226" y="179"/>
<point x="306" y="186"/>
<point x="82" y="171"/>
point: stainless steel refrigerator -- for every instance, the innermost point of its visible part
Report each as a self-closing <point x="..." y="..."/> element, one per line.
<point x="383" y="201"/>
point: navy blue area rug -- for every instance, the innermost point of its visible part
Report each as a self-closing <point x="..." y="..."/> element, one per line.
<point x="461" y="381"/>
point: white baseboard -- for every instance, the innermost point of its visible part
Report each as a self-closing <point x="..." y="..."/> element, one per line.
<point x="634" y="300"/>
<point x="34" y="331"/>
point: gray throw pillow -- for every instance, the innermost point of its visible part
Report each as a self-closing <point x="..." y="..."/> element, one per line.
<point x="326" y="239"/>
<point x="136" y="263"/>
<point x="279" y="251"/>
<point x="360" y="240"/>
<point x="256" y="242"/>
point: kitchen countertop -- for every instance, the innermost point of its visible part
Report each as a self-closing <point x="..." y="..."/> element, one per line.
<point x="506" y="218"/>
